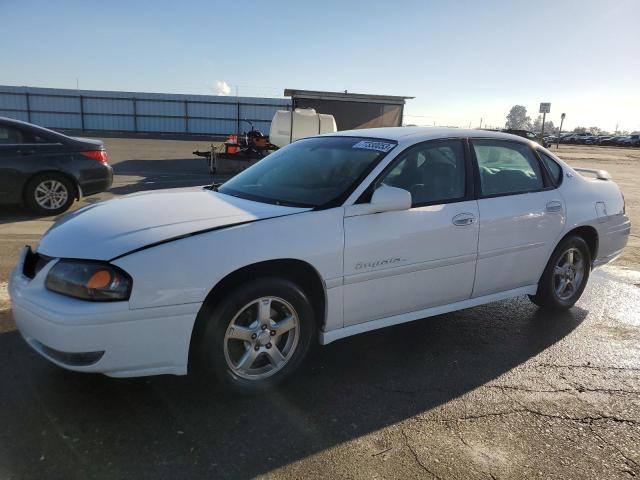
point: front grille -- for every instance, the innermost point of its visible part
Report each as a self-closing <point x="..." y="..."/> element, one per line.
<point x="33" y="263"/>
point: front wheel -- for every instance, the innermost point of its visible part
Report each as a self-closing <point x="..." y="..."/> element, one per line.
<point x="258" y="335"/>
<point x="565" y="276"/>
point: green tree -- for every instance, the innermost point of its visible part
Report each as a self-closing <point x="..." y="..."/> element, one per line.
<point x="580" y="130"/>
<point x="517" y="118"/>
<point x="549" y="127"/>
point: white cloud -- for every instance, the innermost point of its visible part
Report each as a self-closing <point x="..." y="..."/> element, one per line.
<point x="221" y="88"/>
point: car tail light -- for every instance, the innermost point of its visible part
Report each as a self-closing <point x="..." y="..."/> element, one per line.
<point x="99" y="155"/>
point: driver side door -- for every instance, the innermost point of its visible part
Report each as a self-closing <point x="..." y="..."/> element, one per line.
<point x="404" y="261"/>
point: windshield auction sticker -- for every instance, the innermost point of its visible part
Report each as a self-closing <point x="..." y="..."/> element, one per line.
<point x="373" y="145"/>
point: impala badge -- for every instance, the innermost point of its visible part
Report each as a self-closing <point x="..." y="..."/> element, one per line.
<point x="378" y="263"/>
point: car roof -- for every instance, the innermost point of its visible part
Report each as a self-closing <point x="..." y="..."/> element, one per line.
<point x="419" y="134"/>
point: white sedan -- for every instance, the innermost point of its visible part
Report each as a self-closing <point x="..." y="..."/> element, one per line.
<point x="326" y="238"/>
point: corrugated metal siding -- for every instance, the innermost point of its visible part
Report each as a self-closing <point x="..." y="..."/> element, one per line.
<point x="138" y="111"/>
<point x="13" y="114"/>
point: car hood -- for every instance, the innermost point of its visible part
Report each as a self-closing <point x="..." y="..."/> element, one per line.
<point x="115" y="227"/>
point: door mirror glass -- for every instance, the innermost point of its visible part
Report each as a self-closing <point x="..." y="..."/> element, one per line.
<point x="388" y="199"/>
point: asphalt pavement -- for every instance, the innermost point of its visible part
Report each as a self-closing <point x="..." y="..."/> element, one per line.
<point x="499" y="391"/>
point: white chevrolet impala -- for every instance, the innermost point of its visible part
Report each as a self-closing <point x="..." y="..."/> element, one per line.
<point x="328" y="237"/>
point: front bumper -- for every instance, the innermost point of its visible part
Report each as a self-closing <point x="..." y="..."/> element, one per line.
<point x="104" y="337"/>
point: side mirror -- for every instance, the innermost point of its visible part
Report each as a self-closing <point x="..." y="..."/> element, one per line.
<point x="388" y="199"/>
<point x="384" y="199"/>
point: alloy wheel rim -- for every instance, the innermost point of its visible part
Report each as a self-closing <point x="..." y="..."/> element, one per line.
<point x="568" y="274"/>
<point x="261" y="338"/>
<point x="51" y="194"/>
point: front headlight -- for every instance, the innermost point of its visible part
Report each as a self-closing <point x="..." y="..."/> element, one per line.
<point x="89" y="280"/>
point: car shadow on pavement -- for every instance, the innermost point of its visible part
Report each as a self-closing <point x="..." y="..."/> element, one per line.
<point x="18" y="213"/>
<point x="62" y="424"/>
<point x="136" y="175"/>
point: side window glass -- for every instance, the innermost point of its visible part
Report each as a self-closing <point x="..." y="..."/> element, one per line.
<point x="432" y="173"/>
<point x="506" y="168"/>
<point x="10" y="136"/>
<point x="554" y="169"/>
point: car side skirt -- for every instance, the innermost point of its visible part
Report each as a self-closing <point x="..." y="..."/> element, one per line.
<point x="333" y="335"/>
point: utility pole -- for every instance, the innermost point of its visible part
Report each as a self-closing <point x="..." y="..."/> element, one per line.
<point x="560" y="131"/>
<point x="480" y="122"/>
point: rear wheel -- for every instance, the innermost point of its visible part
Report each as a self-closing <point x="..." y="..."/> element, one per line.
<point x="565" y="276"/>
<point x="49" y="194"/>
<point x="258" y="335"/>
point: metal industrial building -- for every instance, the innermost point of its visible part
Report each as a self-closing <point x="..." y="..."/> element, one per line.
<point x="352" y="110"/>
<point x="136" y="112"/>
<point x="165" y="113"/>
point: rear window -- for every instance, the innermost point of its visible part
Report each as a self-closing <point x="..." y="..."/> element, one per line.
<point x="10" y="136"/>
<point x="554" y="169"/>
<point x="16" y="136"/>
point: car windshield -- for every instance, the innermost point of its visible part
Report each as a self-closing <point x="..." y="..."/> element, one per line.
<point x="312" y="172"/>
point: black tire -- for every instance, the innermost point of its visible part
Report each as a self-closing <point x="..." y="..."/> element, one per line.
<point x="63" y="184"/>
<point x="216" y="321"/>
<point x="547" y="296"/>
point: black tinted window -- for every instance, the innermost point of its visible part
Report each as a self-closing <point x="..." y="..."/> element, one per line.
<point x="9" y="136"/>
<point x="432" y="173"/>
<point x="554" y="169"/>
<point x="12" y="136"/>
<point x="506" y="168"/>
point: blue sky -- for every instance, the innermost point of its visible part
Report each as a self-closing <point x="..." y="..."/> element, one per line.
<point x="462" y="60"/>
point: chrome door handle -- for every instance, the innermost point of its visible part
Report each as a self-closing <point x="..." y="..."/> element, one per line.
<point x="554" y="206"/>
<point x="463" y="219"/>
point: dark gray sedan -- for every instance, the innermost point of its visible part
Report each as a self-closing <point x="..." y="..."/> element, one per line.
<point x="46" y="170"/>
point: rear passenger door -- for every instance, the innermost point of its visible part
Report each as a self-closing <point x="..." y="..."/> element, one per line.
<point x="521" y="216"/>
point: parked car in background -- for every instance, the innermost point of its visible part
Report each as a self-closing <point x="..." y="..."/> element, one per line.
<point x="328" y="237"/>
<point x="617" y="141"/>
<point x="535" y="137"/>
<point x="567" y="137"/>
<point x="580" y="138"/>
<point x="46" y="170"/>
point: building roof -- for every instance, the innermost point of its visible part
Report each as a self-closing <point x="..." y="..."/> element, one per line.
<point x="345" y="96"/>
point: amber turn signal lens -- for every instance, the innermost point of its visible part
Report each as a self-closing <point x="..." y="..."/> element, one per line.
<point x="100" y="279"/>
